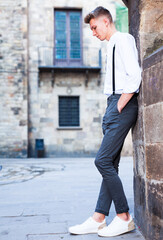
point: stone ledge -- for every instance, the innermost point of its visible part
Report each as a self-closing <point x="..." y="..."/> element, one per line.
<point x="69" y="128"/>
<point x="153" y="58"/>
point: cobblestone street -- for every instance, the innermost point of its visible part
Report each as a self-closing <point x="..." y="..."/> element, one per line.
<point x="41" y="198"/>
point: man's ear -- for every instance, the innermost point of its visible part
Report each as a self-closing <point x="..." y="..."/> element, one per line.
<point x="106" y="21"/>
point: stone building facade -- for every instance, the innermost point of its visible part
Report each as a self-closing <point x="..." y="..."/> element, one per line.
<point x="13" y="78"/>
<point x="29" y="96"/>
<point x="34" y="92"/>
<point x="146" y="21"/>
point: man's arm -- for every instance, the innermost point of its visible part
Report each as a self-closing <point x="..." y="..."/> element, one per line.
<point x="129" y="56"/>
<point x="123" y="100"/>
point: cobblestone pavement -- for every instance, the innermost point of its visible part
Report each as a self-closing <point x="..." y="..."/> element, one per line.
<point x="41" y="198"/>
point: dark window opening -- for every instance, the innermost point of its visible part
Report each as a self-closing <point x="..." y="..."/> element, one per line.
<point x="69" y="111"/>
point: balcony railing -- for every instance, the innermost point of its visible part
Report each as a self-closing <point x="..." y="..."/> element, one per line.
<point x="52" y="57"/>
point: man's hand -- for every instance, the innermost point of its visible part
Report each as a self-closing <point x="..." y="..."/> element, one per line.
<point x="123" y="100"/>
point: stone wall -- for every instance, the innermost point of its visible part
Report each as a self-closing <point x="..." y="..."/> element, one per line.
<point x="29" y="111"/>
<point x="146" y="25"/>
<point x="43" y="100"/>
<point x="13" y="78"/>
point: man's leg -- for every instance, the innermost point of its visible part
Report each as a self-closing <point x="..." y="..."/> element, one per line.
<point x="110" y="177"/>
<point x="115" y="130"/>
<point x="118" y="126"/>
<point x="104" y="199"/>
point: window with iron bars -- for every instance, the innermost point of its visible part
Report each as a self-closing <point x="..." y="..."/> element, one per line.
<point x="69" y="111"/>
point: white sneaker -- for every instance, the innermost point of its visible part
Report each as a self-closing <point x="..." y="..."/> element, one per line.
<point x="89" y="226"/>
<point x="117" y="227"/>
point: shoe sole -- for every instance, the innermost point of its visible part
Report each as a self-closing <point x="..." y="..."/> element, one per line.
<point x="131" y="227"/>
<point x="80" y="233"/>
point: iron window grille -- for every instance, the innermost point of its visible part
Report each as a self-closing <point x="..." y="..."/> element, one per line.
<point x="69" y="111"/>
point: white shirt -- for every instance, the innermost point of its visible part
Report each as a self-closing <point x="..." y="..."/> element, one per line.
<point x="127" y="69"/>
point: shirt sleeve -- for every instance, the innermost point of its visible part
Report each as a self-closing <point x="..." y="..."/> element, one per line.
<point x="129" y="56"/>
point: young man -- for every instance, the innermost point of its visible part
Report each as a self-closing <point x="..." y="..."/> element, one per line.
<point x="123" y="78"/>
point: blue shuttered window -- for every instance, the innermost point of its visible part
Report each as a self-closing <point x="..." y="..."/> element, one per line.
<point x="74" y="34"/>
<point x="67" y="35"/>
<point x="60" y="42"/>
<point x="69" y="111"/>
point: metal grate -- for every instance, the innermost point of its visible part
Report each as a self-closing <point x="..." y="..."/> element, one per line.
<point x="69" y="111"/>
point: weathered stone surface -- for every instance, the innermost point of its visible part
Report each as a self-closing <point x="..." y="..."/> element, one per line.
<point x="13" y="78"/>
<point x="24" y="220"/>
<point x="139" y="165"/>
<point x="151" y="21"/>
<point x="138" y="141"/>
<point x="153" y="59"/>
<point x="153" y="116"/>
<point x="155" y="222"/>
<point x="46" y="120"/>
<point x="155" y="196"/>
<point x="97" y="119"/>
<point x="152" y="78"/>
<point x="23" y="123"/>
<point x="140" y="202"/>
<point x="158" y="42"/>
<point x="140" y="195"/>
<point x="138" y="130"/>
<point x="154" y="163"/>
<point x="147" y="132"/>
<point x="148" y="210"/>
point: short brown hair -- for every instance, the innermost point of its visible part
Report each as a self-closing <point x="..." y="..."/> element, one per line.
<point x="99" y="11"/>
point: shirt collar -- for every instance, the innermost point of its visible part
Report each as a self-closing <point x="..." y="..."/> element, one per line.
<point x="113" y="36"/>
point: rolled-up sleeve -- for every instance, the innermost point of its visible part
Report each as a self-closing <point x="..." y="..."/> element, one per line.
<point x="129" y="55"/>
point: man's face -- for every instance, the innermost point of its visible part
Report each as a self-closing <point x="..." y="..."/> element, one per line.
<point x="99" y="27"/>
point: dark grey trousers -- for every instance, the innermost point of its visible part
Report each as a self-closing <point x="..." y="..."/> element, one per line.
<point x="115" y="128"/>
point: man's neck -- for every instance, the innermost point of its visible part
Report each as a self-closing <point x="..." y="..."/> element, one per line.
<point x="111" y="31"/>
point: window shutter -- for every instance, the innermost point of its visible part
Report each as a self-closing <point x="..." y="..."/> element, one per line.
<point x="60" y="38"/>
<point x="75" y="51"/>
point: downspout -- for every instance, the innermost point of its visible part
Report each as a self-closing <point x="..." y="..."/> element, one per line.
<point x="28" y="143"/>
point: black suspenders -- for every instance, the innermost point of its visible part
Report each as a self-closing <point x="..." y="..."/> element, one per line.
<point x="113" y="70"/>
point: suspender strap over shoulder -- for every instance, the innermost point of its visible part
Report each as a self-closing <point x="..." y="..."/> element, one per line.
<point x="113" y="70"/>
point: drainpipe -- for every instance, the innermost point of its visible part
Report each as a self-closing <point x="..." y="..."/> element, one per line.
<point x="28" y="143"/>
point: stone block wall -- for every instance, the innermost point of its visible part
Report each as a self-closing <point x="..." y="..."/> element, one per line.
<point x="13" y="78"/>
<point x="43" y="100"/>
<point x="29" y="111"/>
<point x="146" y="25"/>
